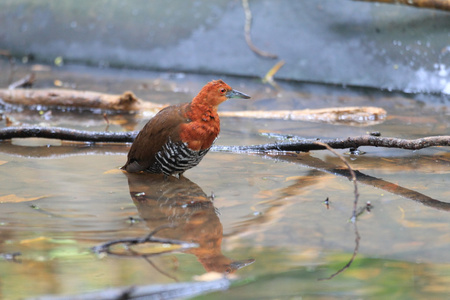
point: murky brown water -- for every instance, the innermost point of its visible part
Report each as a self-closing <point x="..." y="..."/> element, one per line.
<point x="59" y="200"/>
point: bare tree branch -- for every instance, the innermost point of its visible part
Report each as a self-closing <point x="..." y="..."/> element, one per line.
<point x="247" y="29"/>
<point x="435" y="4"/>
<point x="298" y="146"/>
<point x="350" y="142"/>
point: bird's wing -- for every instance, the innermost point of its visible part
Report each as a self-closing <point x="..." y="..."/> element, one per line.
<point x="153" y="136"/>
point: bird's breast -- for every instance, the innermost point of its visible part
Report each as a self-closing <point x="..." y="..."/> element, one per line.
<point x="200" y="133"/>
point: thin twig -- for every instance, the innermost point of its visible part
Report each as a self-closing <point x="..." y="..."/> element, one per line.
<point x="247" y="29"/>
<point x="105" y="117"/>
<point x="158" y="229"/>
<point x="25" y="82"/>
<point x="355" y="205"/>
<point x="353" y="178"/>
<point x="159" y="269"/>
<point x="349" y="263"/>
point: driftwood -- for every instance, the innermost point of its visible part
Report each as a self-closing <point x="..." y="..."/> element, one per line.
<point x="435" y="4"/>
<point x="353" y="115"/>
<point x="77" y="99"/>
<point x="128" y="102"/>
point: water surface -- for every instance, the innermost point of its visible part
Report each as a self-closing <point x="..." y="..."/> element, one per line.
<point x="57" y="200"/>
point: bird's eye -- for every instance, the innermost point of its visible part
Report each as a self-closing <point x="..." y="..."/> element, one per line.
<point x="222" y="90"/>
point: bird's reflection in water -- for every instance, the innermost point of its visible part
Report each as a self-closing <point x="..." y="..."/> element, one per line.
<point x="190" y="213"/>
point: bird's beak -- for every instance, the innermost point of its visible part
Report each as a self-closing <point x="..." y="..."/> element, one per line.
<point x="237" y="94"/>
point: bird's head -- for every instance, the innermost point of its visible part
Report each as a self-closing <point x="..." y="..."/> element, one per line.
<point x="216" y="92"/>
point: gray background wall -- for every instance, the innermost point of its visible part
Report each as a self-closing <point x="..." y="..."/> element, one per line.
<point x="331" y="41"/>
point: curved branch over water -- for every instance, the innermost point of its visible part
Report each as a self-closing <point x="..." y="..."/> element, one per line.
<point x="298" y="146"/>
<point x="350" y="142"/>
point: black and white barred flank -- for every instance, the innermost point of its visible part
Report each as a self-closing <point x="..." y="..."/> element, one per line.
<point x="175" y="158"/>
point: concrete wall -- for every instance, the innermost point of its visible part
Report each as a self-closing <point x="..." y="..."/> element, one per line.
<point x="332" y="41"/>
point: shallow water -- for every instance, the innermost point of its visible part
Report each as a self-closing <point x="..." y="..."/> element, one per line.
<point x="57" y="200"/>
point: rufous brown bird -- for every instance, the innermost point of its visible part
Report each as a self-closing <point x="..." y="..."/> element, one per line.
<point x="178" y="137"/>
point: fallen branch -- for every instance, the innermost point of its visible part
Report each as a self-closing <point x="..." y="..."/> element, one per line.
<point x="352" y="115"/>
<point x="435" y="4"/>
<point x="298" y="146"/>
<point x="350" y="142"/>
<point x="127" y="102"/>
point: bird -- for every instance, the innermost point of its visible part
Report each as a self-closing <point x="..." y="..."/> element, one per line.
<point x="179" y="136"/>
